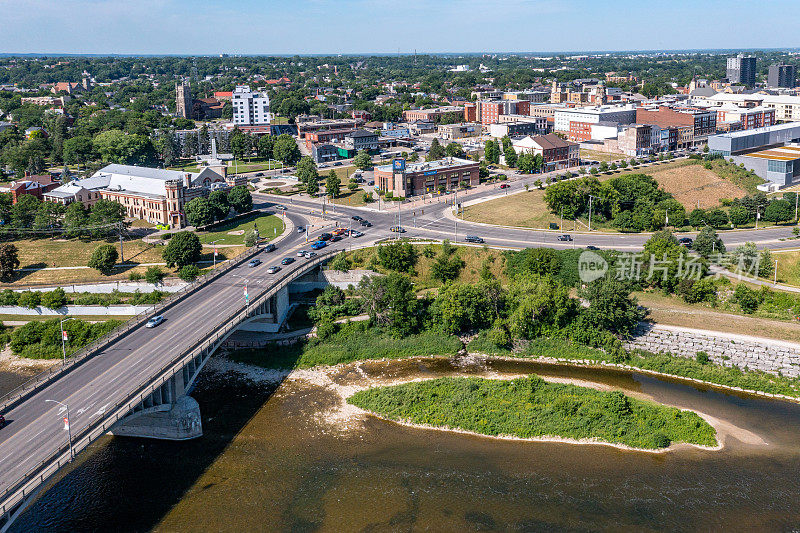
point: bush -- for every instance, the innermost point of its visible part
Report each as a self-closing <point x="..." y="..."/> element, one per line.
<point x="29" y="299"/>
<point x="9" y="297"/>
<point x="135" y="276"/>
<point x="154" y="275"/>
<point x="183" y="249"/>
<point x="702" y="358"/>
<point x="188" y="273"/>
<point x="54" y="299"/>
<point x="747" y="298"/>
<point x="104" y="258"/>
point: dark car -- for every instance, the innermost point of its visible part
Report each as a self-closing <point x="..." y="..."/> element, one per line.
<point x="325" y="236"/>
<point x="685" y="241"/>
<point x="287" y="260"/>
<point x="565" y="237"/>
<point x="371" y="183"/>
<point x="254" y="263"/>
<point x="336" y="238"/>
<point x="356" y="218"/>
<point x="301" y="229"/>
<point x="366" y="223"/>
<point x="2" y="421"/>
<point x="337" y="164"/>
<point x="269" y="248"/>
<point x="504" y="185"/>
<point x="593" y="248"/>
<point x="473" y="238"/>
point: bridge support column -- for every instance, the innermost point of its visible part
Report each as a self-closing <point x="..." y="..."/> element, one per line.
<point x="270" y="316"/>
<point x="172" y="421"/>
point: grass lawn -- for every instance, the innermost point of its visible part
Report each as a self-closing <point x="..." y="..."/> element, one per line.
<point x="530" y="407"/>
<point x="474" y="258"/>
<point x="34" y="253"/>
<point x="38" y="318"/>
<point x="344" y="173"/>
<point x="348" y="197"/>
<point x="601" y="156"/>
<point x="524" y="209"/>
<point x="788" y="266"/>
<point x="234" y="232"/>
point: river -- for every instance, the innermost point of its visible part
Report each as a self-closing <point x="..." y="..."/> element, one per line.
<point x="291" y="458"/>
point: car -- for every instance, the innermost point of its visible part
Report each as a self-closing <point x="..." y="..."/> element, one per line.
<point x="366" y="223"/>
<point x="356" y="218"/>
<point x="359" y="179"/>
<point x="565" y="237"/>
<point x="371" y="183"/>
<point x="2" y="421"/>
<point x="397" y="229"/>
<point x="473" y="238"/>
<point x="339" y="231"/>
<point x="254" y="263"/>
<point x="592" y="247"/>
<point x="287" y="260"/>
<point x="325" y="236"/>
<point x="280" y="207"/>
<point x="273" y="269"/>
<point x="355" y="234"/>
<point x="323" y="166"/>
<point x="337" y="164"/>
<point x="504" y="186"/>
<point x="153" y="322"/>
<point x="302" y="253"/>
<point x="270" y="248"/>
<point x="336" y="238"/>
<point x="317" y="245"/>
<point x="301" y="229"/>
<point x="259" y="174"/>
<point x="309" y="255"/>
<point x="685" y="241"/>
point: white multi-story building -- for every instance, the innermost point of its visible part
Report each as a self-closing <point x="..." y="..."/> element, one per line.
<point x="621" y="114"/>
<point x="250" y="108"/>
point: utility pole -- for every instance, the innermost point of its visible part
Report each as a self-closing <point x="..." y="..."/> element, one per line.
<point x="796" y="197"/>
<point x="121" y="251"/>
<point x="775" y="283"/>
<point x="215" y="251"/>
<point x="64" y="339"/>
<point x="67" y="427"/>
<point x="590" y="211"/>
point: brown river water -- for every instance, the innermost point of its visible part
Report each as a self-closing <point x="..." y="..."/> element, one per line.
<point x="291" y="457"/>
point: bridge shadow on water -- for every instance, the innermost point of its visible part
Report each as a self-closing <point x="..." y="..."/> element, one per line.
<point x="130" y="484"/>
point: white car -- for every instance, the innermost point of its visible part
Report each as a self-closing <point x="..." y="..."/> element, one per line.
<point x="153" y="322"/>
<point x="302" y="253"/>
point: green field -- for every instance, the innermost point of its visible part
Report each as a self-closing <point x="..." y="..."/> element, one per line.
<point x="269" y="227"/>
<point x="530" y="407"/>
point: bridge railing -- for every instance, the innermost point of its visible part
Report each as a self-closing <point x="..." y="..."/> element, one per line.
<point x="23" y="391"/>
<point x="29" y="482"/>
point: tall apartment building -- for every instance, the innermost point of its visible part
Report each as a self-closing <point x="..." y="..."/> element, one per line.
<point x="183" y="99"/>
<point x="742" y="70"/>
<point x="781" y="75"/>
<point x="250" y="108"/>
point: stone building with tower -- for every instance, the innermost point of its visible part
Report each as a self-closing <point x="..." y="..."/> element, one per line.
<point x="183" y="99"/>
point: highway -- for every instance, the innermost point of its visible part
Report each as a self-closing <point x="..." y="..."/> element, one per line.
<point x="35" y="427"/>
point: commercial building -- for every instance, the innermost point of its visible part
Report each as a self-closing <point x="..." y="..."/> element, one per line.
<point x="491" y="110"/>
<point x="731" y="117"/>
<point x="431" y="115"/>
<point x="557" y="153"/>
<point x="780" y="166"/>
<point x="621" y="114"/>
<point x="309" y="124"/>
<point x="413" y="179"/>
<point x="535" y="126"/>
<point x="787" y="107"/>
<point x="739" y="142"/>
<point x="587" y="131"/>
<point x="36" y="185"/>
<point x="451" y="132"/>
<point x="781" y="75"/>
<point x="250" y="108"/>
<point x="361" y="140"/>
<point x="742" y="70"/>
<point x="694" y="124"/>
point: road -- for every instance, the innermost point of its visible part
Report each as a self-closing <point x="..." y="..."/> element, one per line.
<point x="35" y="427"/>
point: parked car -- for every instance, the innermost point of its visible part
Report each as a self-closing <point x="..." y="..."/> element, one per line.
<point x="366" y="223"/>
<point x="337" y="164"/>
<point x="565" y="237"/>
<point x="270" y="248"/>
<point x="685" y="241"/>
<point x="504" y="186"/>
<point x="318" y="245"/>
<point x="593" y="248"/>
<point x="280" y="207"/>
<point x="397" y="229"/>
<point x="356" y="218"/>
<point x="259" y="174"/>
<point x="371" y="183"/>
<point x="2" y="421"/>
<point x="254" y="263"/>
<point x="273" y="269"/>
<point x="473" y="238"/>
<point x="287" y="260"/>
<point x="153" y="322"/>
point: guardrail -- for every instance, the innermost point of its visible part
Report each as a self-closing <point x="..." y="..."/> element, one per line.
<point x="31" y="480"/>
<point x="13" y="397"/>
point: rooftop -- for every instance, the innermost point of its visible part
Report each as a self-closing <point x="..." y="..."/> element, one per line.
<point x="423" y="166"/>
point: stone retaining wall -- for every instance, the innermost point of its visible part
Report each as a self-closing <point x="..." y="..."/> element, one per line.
<point x="724" y="349"/>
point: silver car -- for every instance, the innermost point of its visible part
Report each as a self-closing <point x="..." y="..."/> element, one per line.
<point x="153" y="322"/>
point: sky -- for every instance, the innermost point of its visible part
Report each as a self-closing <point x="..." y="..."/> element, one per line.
<point x="391" y="26"/>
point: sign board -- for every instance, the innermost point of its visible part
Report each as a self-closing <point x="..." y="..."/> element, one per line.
<point x="399" y="165"/>
<point x="430" y="173"/>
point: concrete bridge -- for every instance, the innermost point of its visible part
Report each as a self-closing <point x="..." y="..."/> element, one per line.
<point x="135" y="382"/>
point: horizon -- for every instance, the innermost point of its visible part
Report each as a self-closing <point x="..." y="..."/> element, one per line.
<point x="322" y="27"/>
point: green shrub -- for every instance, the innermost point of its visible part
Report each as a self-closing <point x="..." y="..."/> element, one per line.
<point x="189" y="273"/>
<point x="702" y="358"/>
<point x="9" y="297"/>
<point x="154" y="275"/>
<point x="135" y="276"/>
<point x="29" y="299"/>
<point x="54" y="299"/>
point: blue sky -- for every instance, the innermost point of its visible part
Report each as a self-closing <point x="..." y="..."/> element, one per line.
<point x="352" y="26"/>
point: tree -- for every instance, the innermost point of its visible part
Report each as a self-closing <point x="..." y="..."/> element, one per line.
<point x="611" y="307"/>
<point x="362" y="160"/>
<point x="307" y="169"/>
<point x="199" y="212"/>
<point x="708" y="242"/>
<point x="77" y="149"/>
<point x="779" y="211"/>
<point x="397" y="256"/>
<point x="218" y="201"/>
<point x="462" y="307"/>
<point x="332" y="184"/>
<point x="390" y="301"/>
<point x="312" y="187"/>
<point x="454" y="149"/>
<point x="9" y="261"/>
<point x="766" y="264"/>
<point x="526" y="163"/>
<point x="105" y="217"/>
<point x="188" y="273"/>
<point x="104" y="258"/>
<point x="29" y="299"/>
<point x="491" y="152"/>
<point x="511" y="156"/>
<point x="54" y="299"/>
<point x="739" y="215"/>
<point x="75" y="219"/>
<point x="286" y="150"/>
<point x="154" y="275"/>
<point x="240" y="199"/>
<point x="436" y="152"/>
<point x="540" y="306"/>
<point x="448" y="265"/>
<point x="184" y="248"/>
<point x="341" y="263"/>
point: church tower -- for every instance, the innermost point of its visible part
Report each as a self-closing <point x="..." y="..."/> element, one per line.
<point x="183" y="99"/>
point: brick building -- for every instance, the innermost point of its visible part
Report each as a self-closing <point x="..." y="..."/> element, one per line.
<point x="694" y="124"/>
<point x="557" y="153"/>
<point x="413" y="179"/>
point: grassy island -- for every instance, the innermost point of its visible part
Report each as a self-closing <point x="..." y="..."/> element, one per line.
<point x="530" y="407"/>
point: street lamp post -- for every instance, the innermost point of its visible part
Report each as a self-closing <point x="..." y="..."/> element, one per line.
<point x="246" y="294"/>
<point x="64" y="338"/>
<point x="215" y="251"/>
<point x="69" y="429"/>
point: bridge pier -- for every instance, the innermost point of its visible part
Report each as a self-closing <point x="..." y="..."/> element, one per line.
<point x="176" y="421"/>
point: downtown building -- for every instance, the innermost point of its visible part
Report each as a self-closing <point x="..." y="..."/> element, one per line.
<point x="414" y="179"/>
<point x="741" y="70"/>
<point x="251" y="110"/>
